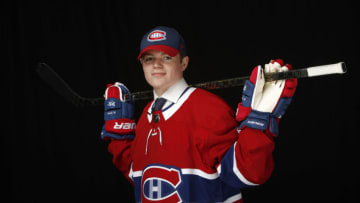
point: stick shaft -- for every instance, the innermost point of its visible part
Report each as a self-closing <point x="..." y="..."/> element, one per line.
<point x="337" y="68"/>
<point x="61" y="87"/>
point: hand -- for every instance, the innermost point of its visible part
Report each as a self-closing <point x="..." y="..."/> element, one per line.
<point x="118" y="115"/>
<point x="263" y="103"/>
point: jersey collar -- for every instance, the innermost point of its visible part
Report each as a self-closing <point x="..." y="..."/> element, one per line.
<point x="174" y="92"/>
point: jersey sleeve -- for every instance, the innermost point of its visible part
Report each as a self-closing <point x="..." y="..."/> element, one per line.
<point x="121" y="151"/>
<point x="249" y="161"/>
<point x="242" y="159"/>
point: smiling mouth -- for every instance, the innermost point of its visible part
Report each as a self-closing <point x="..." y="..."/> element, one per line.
<point x="158" y="74"/>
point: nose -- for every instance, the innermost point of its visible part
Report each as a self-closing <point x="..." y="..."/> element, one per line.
<point x="157" y="63"/>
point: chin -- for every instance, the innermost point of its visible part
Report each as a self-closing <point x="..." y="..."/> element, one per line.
<point x="156" y="83"/>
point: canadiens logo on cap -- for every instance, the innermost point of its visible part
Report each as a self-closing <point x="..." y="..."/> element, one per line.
<point x="156" y="35"/>
<point x="164" y="39"/>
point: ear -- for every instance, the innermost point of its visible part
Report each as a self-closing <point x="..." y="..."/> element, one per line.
<point x="184" y="63"/>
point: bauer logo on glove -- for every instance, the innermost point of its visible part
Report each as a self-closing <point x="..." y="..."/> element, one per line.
<point x="118" y="115"/>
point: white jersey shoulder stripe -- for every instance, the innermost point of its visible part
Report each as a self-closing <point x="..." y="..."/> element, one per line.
<point x="184" y="171"/>
<point x="136" y="174"/>
<point x="198" y="172"/>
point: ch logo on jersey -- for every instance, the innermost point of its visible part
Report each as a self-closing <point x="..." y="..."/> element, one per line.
<point x="160" y="184"/>
<point x="156" y="35"/>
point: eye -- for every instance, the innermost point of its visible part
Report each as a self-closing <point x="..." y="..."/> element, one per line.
<point x="148" y="59"/>
<point x="167" y="58"/>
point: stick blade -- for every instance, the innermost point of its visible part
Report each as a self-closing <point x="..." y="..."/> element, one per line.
<point x="50" y="77"/>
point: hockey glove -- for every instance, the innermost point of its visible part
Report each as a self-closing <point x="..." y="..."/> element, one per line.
<point x="118" y="115"/>
<point x="264" y="103"/>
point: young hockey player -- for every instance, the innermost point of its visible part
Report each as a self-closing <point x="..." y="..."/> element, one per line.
<point x="189" y="145"/>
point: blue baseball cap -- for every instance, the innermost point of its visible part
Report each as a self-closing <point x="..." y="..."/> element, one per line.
<point x="165" y="39"/>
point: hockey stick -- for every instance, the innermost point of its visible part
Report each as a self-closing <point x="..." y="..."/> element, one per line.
<point x="50" y="77"/>
<point x="61" y="87"/>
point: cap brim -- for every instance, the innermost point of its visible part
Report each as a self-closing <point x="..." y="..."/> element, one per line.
<point x="166" y="49"/>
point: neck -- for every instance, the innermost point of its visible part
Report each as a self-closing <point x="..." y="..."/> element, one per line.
<point x="161" y="90"/>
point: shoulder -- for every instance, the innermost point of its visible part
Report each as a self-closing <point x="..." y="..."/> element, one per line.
<point x="211" y="112"/>
<point x="207" y="101"/>
<point x="209" y="98"/>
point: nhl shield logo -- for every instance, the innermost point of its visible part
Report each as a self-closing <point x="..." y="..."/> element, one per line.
<point x="156" y="35"/>
<point x="160" y="184"/>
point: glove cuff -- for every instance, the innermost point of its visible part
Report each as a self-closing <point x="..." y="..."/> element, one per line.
<point x="121" y="126"/>
<point x="257" y="120"/>
<point x="108" y="135"/>
<point x="263" y="120"/>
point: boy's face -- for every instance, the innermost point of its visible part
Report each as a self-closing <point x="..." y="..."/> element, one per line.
<point x="161" y="70"/>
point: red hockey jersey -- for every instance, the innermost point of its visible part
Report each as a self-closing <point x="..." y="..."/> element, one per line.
<point x="192" y="152"/>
